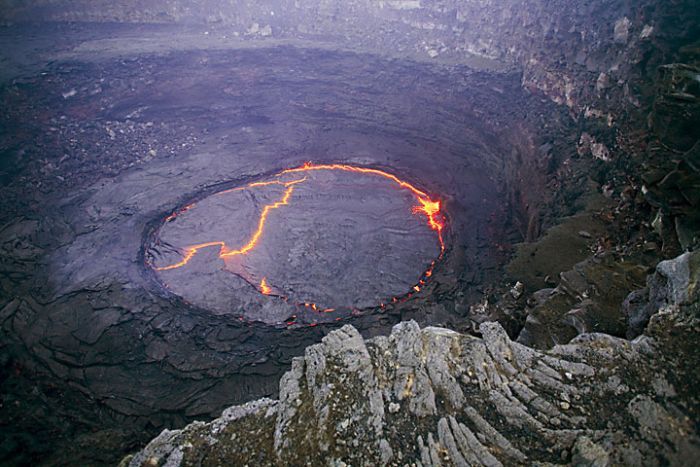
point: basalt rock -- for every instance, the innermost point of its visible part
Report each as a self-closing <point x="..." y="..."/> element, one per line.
<point x="588" y="298"/>
<point x="434" y="397"/>
<point x="109" y="127"/>
<point x="673" y="285"/>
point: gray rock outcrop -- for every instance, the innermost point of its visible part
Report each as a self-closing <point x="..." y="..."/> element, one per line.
<point x="674" y="285"/>
<point x="435" y="397"/>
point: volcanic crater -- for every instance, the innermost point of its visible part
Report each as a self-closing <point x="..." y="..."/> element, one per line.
<point x="183" y="248"/>
<point x="317" y="243"/>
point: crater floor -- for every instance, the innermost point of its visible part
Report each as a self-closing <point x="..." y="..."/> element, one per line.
<point x="109" y="139"/>
<point x="320" y="241"/>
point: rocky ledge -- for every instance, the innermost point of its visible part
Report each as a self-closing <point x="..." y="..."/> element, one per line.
<point x="436" y="397"/>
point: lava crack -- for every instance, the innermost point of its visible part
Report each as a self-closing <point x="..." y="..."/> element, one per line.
<point x="427" y="206"/>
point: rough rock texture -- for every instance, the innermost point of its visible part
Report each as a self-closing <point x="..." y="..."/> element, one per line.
<point x="587" y="299"/>
<point x="89" y="339"/>
<point x="584" y="55"/>
<point x="526" y="32"/>
<point x="675" y="283"/>
<point x="91" y="350"/>
<point x="435" y="397"/>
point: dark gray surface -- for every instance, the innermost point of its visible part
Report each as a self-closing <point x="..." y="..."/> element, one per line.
<point x="102" y="147"/>
<point x="340" y="240"/>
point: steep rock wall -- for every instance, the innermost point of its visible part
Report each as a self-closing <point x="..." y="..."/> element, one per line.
<point x="578" y="54"/>
<point x="600" y="60"/>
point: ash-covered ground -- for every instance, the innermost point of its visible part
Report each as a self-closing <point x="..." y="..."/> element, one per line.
<point x="104" y="136"/>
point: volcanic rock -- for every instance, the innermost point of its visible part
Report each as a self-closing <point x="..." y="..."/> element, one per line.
<point x="675" y="284"/>
<point x="436" y="397"/>
<point x="483" y="103"/>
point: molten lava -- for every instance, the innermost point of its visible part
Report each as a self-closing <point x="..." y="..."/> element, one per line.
<point x="261" y="223"/>
<point x="224" y="251"/>
<point x="431" y="208"/>
<point x="264" y="288"/>
<point x="426" y="206"/>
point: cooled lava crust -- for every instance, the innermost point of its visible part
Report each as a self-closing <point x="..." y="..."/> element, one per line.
<point x="314" y="243"/>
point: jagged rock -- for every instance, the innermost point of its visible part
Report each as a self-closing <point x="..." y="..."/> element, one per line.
<point x="674" y="284"/>
<point x="517" y="290"/>
<point x="436" y="397"/>
<point x="589" y="298"/>
<point x="588" y="144"/>
<point x="589" y="454"/>
<point x="622" y="30"/>
<point x="635" y="309"/>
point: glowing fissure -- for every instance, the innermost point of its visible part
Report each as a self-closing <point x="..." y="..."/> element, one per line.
<point x="224" y="251"/>
<point x="261" y="223"/>
<point x="264" y="288"/>
<point x="427" y="206"/>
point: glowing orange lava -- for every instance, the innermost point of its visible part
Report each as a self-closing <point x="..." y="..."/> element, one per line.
<point x="224" y="251"/>
<point x="261" y="223"/>
<point x="264" y="288"/>
<point x="427" y="206"/>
